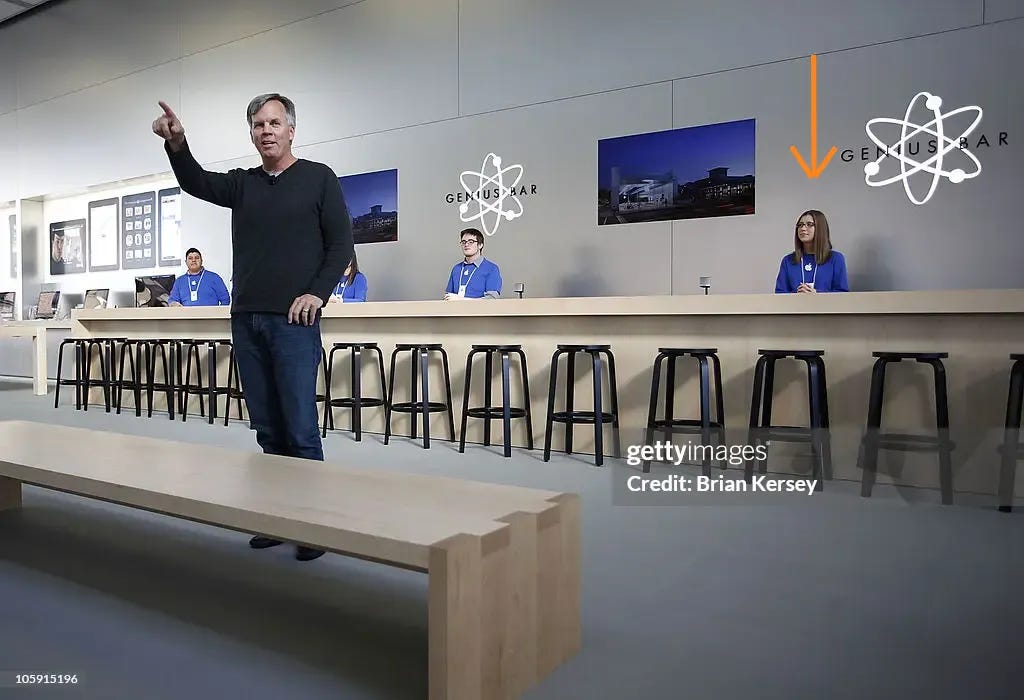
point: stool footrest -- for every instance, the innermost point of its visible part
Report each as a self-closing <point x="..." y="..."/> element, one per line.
<point x="905" y="442"/>
<point x="581" y="417"/>
<point x="410" y="407"/>
<point x="365" y="402"/>
<point x="217" y="391"/>
<point x="496" y="412"/>
<point x="786" y="433"/>
<point x="683" y="424"/>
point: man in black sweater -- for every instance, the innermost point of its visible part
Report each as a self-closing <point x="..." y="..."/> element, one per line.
<point x="291" y="237"/>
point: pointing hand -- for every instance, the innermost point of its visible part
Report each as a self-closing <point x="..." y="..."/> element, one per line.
<point x="169" y="127"/>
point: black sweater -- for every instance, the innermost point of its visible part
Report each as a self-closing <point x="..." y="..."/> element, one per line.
<point x="291" y="234"/>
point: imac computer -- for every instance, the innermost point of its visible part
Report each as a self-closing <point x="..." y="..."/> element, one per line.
<point x="96" y="299"/>
<point x="153" y="290"/>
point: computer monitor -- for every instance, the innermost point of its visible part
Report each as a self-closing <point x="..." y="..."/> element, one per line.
<point x="7" y="306"/>
<point x="153" y="290"/>
<point x="46" y="306"/>
<point x="96" y="299"/>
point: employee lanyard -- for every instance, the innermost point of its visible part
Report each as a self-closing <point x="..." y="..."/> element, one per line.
<point x="341" y="288"/>
<point x="199" y="283"/>
<point x="466" y="283"/>
<point x="813" y="277"/>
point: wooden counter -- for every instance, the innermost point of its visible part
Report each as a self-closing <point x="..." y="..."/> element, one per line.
<point x="978" y="328"/>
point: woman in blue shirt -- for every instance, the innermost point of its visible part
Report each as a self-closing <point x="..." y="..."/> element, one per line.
<point x="352" y="286"/>
<point x="813" y="266"/>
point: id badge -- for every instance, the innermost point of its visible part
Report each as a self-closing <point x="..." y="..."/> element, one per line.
<point x="194" y="295"/>
<point x="462" y="291"/>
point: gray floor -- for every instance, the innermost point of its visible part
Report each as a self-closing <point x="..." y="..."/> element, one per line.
<point x="831" y="596"/>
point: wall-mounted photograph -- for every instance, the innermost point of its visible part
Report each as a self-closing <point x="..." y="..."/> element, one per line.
<point x="690" y="173"/>
<point x="67" y="247"/>
<point x="372" y="200"/>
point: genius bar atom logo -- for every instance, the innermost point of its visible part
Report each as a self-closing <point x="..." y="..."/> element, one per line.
<point x="492" y="194"/>
<point x="941" y="146"/>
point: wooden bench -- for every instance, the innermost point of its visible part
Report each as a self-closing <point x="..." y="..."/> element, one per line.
<point x="503" y="563"/>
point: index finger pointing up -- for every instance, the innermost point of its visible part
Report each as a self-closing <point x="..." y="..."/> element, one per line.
<point x="168" y="111"/>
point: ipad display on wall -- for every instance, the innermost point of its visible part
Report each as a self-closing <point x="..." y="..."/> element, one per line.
<point x="67" y="247"/>
<point x="103" y="235"/>
<point x="138" y="230"/>
<point x="170" y="227"/>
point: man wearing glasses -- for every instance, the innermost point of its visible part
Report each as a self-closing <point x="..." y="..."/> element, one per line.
<point x="475" y="277"/>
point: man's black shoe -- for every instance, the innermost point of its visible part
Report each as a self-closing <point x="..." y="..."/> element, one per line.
<point x="307" y="553"/>
<point x="259" y="542"/>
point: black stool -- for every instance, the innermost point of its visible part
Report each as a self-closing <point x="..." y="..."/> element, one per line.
<point x="874" y="439"/>
<point x="570" y="416"/>
<point x="357" y="402"/>
<point x="422" y="406"/>
<point x="233" y="390"/>
<point x="79" y="350"/>
<point x="1011" y="449"/>
<point x="105" y="349"/>
<point x="133" y="350"/>
<point x="212" y="389"/>
<point x="761" y="430"/>
<point x="704" y="425"/>
<point x="505" y="412"/>
<point x="168" y="350"/>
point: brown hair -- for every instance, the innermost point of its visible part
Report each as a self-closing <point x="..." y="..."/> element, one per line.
<point x="354" y="265"/>
<point x="821" y="246"/>
<point x="475" y="233"/>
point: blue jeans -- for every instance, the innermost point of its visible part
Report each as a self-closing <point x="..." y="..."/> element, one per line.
<point x="277" y="363"/>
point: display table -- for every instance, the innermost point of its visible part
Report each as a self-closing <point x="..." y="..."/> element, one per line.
<point x="36" y="330"/>
<point x="979" y="329"/>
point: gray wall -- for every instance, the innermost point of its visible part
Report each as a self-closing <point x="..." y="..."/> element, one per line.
<point x="431" y="87"/>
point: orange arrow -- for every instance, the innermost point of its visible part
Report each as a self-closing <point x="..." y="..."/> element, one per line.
<point x="815" y="169"/>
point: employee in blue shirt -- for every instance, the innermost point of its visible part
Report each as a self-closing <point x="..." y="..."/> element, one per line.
<point x="813" y="266"/>
<point x="475" y="277"/>
<point x="199" y="287"/>
<point x="352" y="286"/>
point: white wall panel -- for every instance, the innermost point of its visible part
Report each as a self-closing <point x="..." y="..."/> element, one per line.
<point x="524" y="51"/>
<point x="8" y="73"/>
<point x="94" y="136"/>
<point x="958" y="239"/>
<point x="8" y="158"/>
<point x="71" y="45"/>
<point x="365" y="68"/>
<point x="996" y="10"/>
<point x="206" y="24"/>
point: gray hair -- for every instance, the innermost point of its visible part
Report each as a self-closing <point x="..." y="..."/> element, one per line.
<point x="260" y="100"/>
